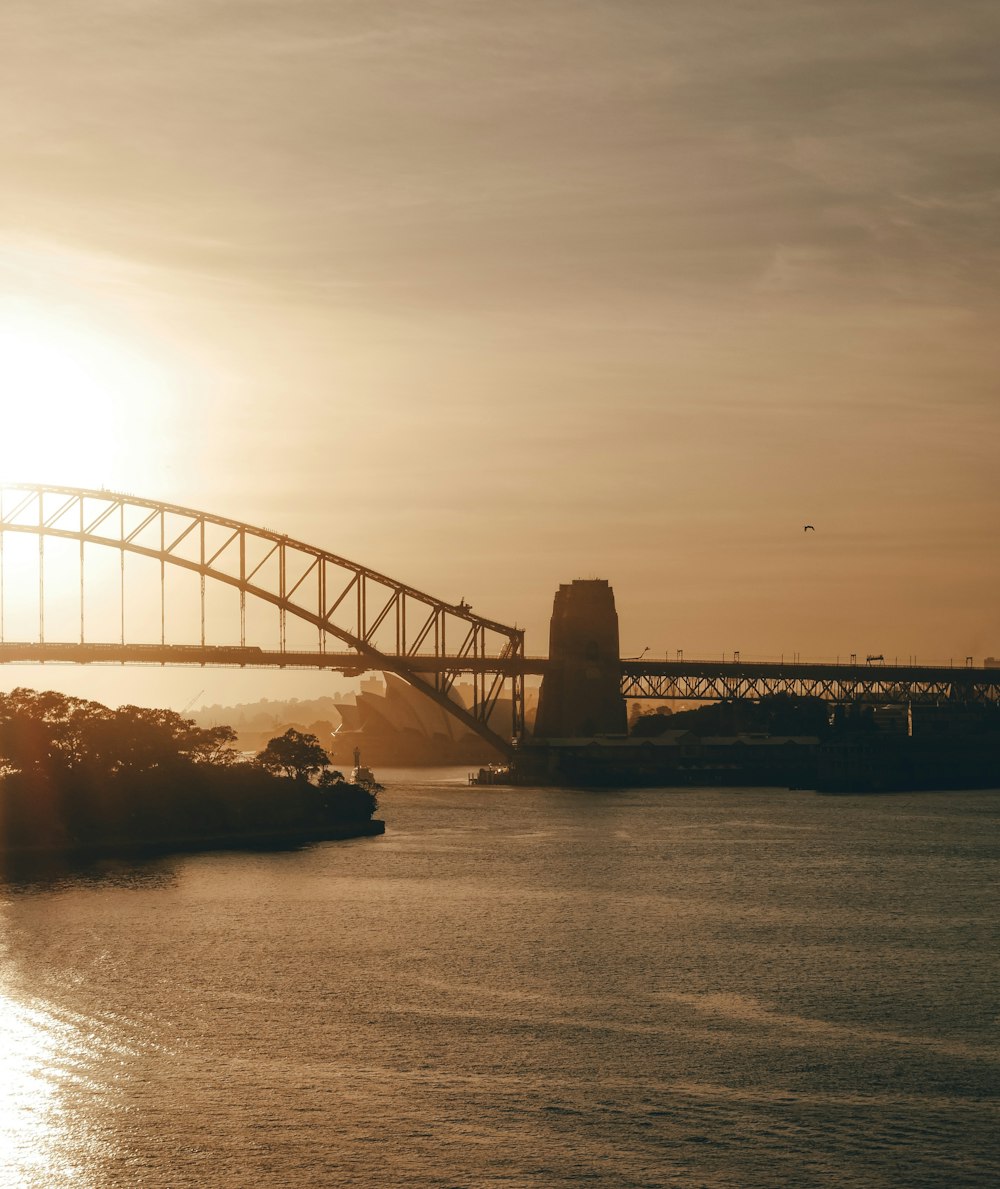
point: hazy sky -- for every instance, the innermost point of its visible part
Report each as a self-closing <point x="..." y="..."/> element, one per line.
<point x="493" y="296"/>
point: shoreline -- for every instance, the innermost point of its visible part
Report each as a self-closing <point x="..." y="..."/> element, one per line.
<point x="154" y="848"/>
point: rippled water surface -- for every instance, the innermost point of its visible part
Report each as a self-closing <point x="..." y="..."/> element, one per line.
<point x="521" y="987"/>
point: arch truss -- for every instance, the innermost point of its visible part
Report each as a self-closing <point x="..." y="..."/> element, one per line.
<point x="362" y="620"/>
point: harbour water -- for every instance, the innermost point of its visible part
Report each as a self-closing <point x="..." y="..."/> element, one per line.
<point x="519" y="987"/>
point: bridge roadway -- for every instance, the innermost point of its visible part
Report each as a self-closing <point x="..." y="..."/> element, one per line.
<point x="663" y="680"/>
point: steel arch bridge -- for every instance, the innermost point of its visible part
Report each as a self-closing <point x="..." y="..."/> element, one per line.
<point x="385" y="624"/>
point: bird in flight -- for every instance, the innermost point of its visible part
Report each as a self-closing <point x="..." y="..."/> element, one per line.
<point x="807" y="528"/>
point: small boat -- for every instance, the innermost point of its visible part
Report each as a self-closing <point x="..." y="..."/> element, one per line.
<point x="361" y="775"/>
<point x="491" y="774"/>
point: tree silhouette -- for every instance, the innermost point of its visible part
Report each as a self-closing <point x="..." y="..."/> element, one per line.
<point x="294" y="754"/>
<point x="52" y="733"/>
<point x="76" y="776"/>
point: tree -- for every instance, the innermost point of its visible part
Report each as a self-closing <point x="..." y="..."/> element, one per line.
<point x="49" y="732"/>
<point x="139" y="738"/>
<point x="294" y="754"/>
<point x="46" y="731"/>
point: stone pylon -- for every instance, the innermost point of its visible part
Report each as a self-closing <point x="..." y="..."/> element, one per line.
<point x="580" y="692"/>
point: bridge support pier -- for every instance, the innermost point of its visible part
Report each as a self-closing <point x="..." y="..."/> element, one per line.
<point x="580" y="694"/>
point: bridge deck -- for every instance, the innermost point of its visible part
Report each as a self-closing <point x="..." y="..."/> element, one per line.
<point x="687" y="680"/>
<point x="247" y="657"/>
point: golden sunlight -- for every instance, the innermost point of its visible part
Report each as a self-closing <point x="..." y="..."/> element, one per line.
<point x="74" y="399"/>
<point x="36" y="1138"/>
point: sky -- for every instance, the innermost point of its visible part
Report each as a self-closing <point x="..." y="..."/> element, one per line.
<point x="491" y="297"/>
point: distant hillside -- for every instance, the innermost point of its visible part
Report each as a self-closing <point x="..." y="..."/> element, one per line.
<point x="257" y="722"/>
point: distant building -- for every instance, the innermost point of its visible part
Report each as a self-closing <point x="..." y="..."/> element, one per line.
<point x="393" y="723"/>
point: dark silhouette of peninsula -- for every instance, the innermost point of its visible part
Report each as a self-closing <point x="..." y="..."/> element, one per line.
<point x="778" y="714"/>
<point x="79" y="778"/>
<point x="783" y="741"/>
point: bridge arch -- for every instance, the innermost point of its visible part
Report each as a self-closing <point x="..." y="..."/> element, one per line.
<point x="386" y="624"/>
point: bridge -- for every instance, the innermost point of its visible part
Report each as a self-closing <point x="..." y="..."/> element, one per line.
<point x="848" y="682"/>
<point x="684" y="681"/>
<point x="385" y="625"/>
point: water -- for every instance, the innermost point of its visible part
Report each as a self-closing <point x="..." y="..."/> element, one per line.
<point x="521" y="988"/>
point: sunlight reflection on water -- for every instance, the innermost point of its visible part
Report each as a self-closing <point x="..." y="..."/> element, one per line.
<point x="37" y="1055"/>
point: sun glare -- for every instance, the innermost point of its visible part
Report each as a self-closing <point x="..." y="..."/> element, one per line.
<point x="74" y="401"/>
<point x="37" y="1058"/>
